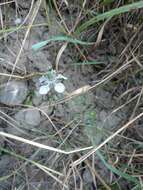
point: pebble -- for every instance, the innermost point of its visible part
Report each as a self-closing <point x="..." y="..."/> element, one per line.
<point x="13" y="92"/>
<point x="28" y="117"/>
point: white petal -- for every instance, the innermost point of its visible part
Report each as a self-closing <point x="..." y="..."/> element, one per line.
<point x="60" y="76"/>
<point x="44" y="90"/>
<point x="43" y="79"/>
<point x="59" y="87"/>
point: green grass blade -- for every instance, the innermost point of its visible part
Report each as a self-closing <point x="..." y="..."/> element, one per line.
<point x="89" y="63"/>
<point x="110" y="14"/>
<point x="116" y="171"/>
<point x="59" y="38"/>
<point x="18" y="28"/>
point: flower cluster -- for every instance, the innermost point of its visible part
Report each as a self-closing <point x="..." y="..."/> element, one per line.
<point x="51" y="80"/>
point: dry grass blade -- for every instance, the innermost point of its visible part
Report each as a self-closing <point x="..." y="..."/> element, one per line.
<point x="100" y="34"/>
<point x="62" y="49"/>
<point x="8" y="2"/>
<point x="35" y="11"/>
<point x="54" y="177"/>
<point x="12" y="76"/>
<point x="42" y="146"/>
<point x="112" y="75"/>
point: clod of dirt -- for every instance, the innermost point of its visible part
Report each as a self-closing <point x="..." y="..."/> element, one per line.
<point x="40" y="61"/>
<point x="7" y="60"/>
<point x="28" y="117"/>
<point x="87" y="177"/>
<point x="55" y="28"/>
<point x="81" y="103"/>
<point x="13" y="92"/>
<point x="6" y="166"/>
<point x="23" y="4"/>
<point x="46" y="108"/>
<point x="104" y="98"/>
<point x="110" y="121"/>
<point x="6" y="162"/>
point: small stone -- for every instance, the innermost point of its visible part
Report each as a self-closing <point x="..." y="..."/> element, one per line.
<point x="32" y="117"/>
<point x="28" y="117"/>
<point x="13" y="92"/>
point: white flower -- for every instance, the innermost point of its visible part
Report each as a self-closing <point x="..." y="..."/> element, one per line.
<point x="51" y="80"/>
<point x="42" y="79"/>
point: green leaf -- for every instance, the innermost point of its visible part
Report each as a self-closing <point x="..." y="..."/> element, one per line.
<point x="94" y="133"/>
<point x="60" y="38"/>
<point x="116" y="171"/>
<point x="110" y="14"/>
<point x="107" y="2"/>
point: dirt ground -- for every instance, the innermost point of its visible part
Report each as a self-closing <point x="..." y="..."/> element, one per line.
<point x="64" y="121"/>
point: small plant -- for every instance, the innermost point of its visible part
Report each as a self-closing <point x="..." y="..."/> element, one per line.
<point x="51" y="80"/>
<point x="91" y="129"/>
